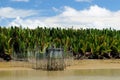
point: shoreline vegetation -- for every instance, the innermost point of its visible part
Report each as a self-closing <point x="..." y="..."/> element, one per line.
<point x="83" y="43"/>
<point x="77" y="65"/>
<point x="91" y="48"/>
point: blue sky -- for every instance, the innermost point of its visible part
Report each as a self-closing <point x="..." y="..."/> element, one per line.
<point x="60" y="13"/>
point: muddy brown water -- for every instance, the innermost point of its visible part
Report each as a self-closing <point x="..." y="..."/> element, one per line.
<point x="101" y="74"/>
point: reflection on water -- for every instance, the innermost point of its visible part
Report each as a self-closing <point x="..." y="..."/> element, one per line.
<point x="108" y="74"/>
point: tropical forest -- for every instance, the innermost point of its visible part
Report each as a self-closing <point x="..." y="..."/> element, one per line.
<point x="84" y="43"/>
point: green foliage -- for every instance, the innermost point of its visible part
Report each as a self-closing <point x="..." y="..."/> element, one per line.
<point x="95" y="41"/>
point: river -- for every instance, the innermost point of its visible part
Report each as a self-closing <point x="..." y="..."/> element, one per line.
<point x="101" y="74"/>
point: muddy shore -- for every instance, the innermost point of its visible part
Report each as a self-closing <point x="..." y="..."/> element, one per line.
<point x="77" y="64"/>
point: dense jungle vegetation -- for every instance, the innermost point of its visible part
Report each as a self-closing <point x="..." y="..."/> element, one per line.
<point x="84" y="43"/>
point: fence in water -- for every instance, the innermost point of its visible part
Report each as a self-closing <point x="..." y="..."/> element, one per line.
<point x="52" y="59"/>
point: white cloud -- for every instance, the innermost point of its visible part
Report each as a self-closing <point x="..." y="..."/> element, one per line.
<point x="9" y="12"/>
<point x="55" y="9"/>
<point x="83" y="0"/>
<point x="20" y="0"/>
<point x="93" y="17"/>
<point x="30" y="23"/>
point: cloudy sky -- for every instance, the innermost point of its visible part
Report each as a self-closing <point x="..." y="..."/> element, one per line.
<point x="61" y="13"/>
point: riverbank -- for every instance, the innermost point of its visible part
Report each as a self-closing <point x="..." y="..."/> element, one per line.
<point x="96" y="64"/>
<point x="77" y="64"/>
<point x="12" y="65"/>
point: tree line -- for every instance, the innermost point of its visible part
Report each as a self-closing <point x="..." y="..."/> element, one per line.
<point x="84" y="43"/>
